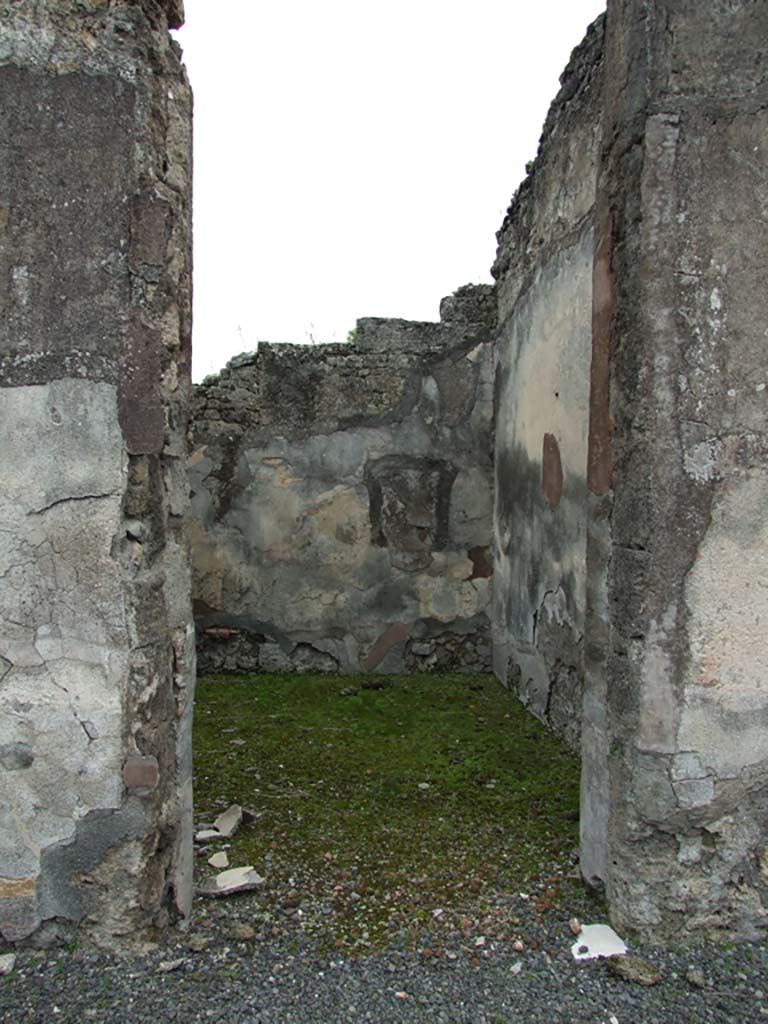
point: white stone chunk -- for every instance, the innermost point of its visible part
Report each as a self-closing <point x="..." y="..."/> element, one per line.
<point x="229" y="822"/>
<point x="219" y="860"/>
<point x="597" y="940"/>
<point x="207" y="833"/>
<point x="234" y="880"/>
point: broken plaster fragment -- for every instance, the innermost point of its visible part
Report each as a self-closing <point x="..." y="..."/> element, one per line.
<point x="229" y="822"/>
<point x="234" y="880"/>
<point x="596" y="940"/>
<point x="219" y="860"/>
<point x="207" y="833"/>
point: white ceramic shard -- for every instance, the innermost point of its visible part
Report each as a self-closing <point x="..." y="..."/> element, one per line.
<point x="595" y="940"/>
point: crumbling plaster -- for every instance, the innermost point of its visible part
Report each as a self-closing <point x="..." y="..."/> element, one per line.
<point x="344" y="499"/>
<point x="96" y="639"/>
<point x="658" y="567"/>
<point x="674" y="769"/>
<point x="542" y="355"/>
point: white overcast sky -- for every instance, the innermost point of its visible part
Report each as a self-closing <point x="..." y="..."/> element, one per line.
<point x="355" y="159"/>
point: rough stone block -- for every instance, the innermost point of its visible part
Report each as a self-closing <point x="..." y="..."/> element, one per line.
<point x="141" y="773"/>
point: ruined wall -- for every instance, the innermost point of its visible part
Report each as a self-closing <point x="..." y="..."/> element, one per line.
<point x="544" y="273"/>
<point x="675" y="767"/>
<point x="96" y="644"/>
<point x="343" y="495"/>
<point x="342" y="500"/>
<point x="631" y="478"/>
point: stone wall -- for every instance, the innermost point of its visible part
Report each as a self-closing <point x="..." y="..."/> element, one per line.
<point x="675" y="755"/>
<point x="96" y="643"/>
<point x="343" y="496"/>
<point x="342" y="500"/>
<point x="544" y="273"/>
<point x="631" y="479"/>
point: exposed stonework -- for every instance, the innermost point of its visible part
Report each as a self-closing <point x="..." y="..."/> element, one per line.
<point x="544" y="272"/>
<point x="342" y="499"/>
<point x="630" y="551"/>
<point x="343" y="495"/>
<point x="96" y="643"/>
<point x="675" y="779"/>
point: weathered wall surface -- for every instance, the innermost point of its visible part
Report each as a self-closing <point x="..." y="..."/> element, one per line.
<point x="96" y="644"/>
<point x="343" y="496"/>
<point x="544" y="273"/>
<point x="675" y="809"/>
<point x="342" y="499"/>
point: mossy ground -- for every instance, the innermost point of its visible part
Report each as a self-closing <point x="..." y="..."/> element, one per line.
<point x="415" y="803"/>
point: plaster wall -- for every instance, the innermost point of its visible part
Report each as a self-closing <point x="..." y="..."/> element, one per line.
<point x="544" y="273"/>
<point x="675" y="808"/>
<point x="342" y="500"/>
<point x="343" y="497"/>
<point x="96" y="642"/>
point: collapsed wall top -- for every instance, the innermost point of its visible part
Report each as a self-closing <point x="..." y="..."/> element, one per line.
<point x="342" y="499"/>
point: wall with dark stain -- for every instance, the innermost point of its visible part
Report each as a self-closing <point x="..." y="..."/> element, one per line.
<point x="675" y="756"/>
<point x="542" y="368"/>
<point x="342" y="499"/>
<point x="96" y="639"/>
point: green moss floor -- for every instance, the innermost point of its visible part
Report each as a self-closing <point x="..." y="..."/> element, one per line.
<point x="388" y="806"/>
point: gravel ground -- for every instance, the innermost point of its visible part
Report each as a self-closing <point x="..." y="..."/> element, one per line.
<point x="277" y="974"/>
<point x="473" y="929"/>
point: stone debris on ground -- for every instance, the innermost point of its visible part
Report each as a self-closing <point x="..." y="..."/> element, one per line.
<point x="696" y="978"/>
<point x="205" y="835"/>
<point x="166" y="966"/>
<point x="376" y="684"/>
<point x="229" y="822"/>
<point x="7" y="962"/>
<point x="245" y="964"/>
<point x="219" y="860"/>
<point x="634" y="968"/>
<point x="597" y="940"/>
<point x="234" y="880"/>
<point x="478" y="954"/>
